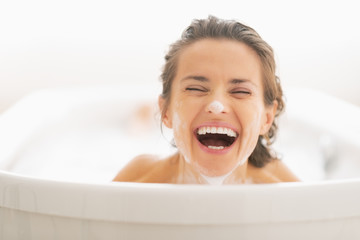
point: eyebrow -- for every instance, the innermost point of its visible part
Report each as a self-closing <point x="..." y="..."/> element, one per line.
<point x="194" y="77"/>
<point x="238" y="81"/>
<point x="204" y="79"/>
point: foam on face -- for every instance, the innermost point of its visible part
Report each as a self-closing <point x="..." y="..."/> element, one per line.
<point x="216" y="107"/>
<point x="242" y="162"/>
<point x="180" y="126"/>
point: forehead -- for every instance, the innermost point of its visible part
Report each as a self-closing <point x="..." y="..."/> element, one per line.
<point x="220" y="58"/>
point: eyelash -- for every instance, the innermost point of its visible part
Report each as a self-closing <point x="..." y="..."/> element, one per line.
<point x="195" y="89"/>
<point x="200" y="90"/>
<point x="241" y="92"/>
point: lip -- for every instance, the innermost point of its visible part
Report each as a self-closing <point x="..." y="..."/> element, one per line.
<point x="215" y="124"/>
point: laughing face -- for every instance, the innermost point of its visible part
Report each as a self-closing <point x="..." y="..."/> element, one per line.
<point x="216" y="108"/>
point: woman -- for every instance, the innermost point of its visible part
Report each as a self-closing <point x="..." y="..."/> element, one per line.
<point x="221" y="97"/>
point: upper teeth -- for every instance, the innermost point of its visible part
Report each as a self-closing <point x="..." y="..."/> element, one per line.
<point x="219" y="130"/>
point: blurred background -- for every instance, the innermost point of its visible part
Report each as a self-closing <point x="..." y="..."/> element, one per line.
<point x="75" y="43"/>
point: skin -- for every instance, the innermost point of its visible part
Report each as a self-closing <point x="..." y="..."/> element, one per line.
<point x="229" y="73"/>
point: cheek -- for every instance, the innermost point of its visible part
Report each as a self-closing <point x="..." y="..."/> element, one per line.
<point x="180" y="126"/>
<point x="251" y="118"/>
<point x="181" y="136"/>
<point x="182" y="117"/>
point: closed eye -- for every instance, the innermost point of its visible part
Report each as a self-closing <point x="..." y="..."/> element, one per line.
<point x="241" y="92"/>
<point x="195" y="89"/>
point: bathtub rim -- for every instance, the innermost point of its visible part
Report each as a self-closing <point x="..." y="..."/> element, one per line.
<point x="153" y="203"/>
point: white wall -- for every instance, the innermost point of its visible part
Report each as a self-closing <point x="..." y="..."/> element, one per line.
<point x="47" y="43"/>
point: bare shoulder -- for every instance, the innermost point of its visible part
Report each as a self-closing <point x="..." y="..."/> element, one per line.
<point x="280" y="171"/>
<point x="274" y="172"/>
<point x="136" y="168"/>
<point x="149" y="169"/>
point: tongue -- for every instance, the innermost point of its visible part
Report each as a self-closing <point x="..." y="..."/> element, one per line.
<point x="214" y="142"/>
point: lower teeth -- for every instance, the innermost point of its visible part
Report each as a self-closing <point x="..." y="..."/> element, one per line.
<point x="216" y="147"/>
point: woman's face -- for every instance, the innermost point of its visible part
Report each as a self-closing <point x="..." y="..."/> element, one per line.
<point x="216" y="109"/>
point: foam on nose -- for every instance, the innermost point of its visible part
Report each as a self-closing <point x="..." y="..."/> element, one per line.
<point x="216" y="107"/>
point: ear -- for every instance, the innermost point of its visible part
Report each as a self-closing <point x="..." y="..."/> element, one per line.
<point x="166" y="119"/>
<point x="270" y="112"/>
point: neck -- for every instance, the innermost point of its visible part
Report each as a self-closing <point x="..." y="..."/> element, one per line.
<point x="218" y="180"/>
<point x="189" y="174"/>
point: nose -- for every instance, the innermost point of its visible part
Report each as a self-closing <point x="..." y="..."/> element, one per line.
<point x="215" y="107"/>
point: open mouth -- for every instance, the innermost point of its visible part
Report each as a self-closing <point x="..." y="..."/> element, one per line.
<point x="217" y="138"/>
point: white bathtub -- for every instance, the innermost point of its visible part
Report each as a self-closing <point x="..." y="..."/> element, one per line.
<point x="61" y="148"/>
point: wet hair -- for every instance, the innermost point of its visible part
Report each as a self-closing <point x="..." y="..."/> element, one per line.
<point x="215" y="28"/>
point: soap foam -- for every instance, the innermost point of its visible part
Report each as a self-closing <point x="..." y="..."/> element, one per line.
<point x="219" y="180"/>
<point x="180" y="126"/>
<point x="216" y="107"/>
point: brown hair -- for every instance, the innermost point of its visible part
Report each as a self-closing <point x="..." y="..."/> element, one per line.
<point x="215" y="28"/>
